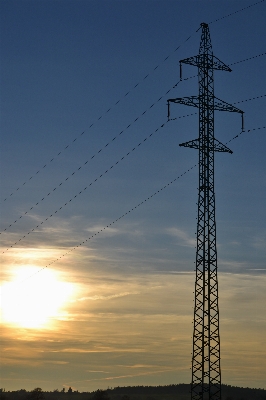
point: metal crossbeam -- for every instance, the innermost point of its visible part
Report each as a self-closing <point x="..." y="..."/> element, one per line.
<point x="206" y="371"/>
<point x="196" y="101"/>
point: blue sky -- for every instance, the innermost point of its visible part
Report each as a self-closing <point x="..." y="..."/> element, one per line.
<point x="64" y="65"/>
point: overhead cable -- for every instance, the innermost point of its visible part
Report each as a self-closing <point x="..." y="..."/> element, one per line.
<point x="90" y="184"/>
<point x="101" y="116"/>
<point x="98" y="152"/>
<point x="78" y="169"/>
<point x="75" y="139"/>
<point x="134" y="208"/>
<point x="236" y="12"/>
<point x="164" y="187"/>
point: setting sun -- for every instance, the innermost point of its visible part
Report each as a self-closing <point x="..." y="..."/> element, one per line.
<point x="34" y="298"/>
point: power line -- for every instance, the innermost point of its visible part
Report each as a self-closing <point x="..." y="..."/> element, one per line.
<point x="116" y="220"/>
<point x="249" y="130"/>
<point x="91" y="183"/>
<point x="137" y="206"/>
<point x="100" y="150"/>
<point x="101" y="116"/>
<point x="78" y="169"/>
<point x="247" y="59"/>
<point x="235" y="12"/>
<point x="252" y="98"/>
<point x="74" y="140"/>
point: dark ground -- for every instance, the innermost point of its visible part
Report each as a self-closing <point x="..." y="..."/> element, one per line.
<point x="171" y="392"/>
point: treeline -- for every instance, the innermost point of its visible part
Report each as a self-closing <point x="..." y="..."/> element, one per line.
<point x="170" y="392"/>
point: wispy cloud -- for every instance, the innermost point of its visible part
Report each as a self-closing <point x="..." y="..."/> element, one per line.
<point x="102" y="297"/>
<point x="111" y="338"/>
<point x="129" y="375"/>
<point x="184" y="238"/>
<point x="259" y="242"/>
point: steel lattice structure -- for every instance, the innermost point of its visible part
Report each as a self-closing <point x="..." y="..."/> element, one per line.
<point x="206" y="371"/>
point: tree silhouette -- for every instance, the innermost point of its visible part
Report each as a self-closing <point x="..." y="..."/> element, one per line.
<point x="36" y="394"/>
<point x="101" y="395"/>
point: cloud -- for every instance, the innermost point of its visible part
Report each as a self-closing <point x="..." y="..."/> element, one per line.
<point x="113" y="296"/>
<point x="98" y="372"/>
<point x="57" y="362"/>
<point x="149" y="333"/>
<point x="184" y="239"/>
<point x="133" y="375"/>
<point x="259" y="242"/>
<point x="101" y="350"/>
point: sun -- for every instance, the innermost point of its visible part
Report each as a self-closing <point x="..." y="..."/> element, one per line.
<point x="34" y="298"/>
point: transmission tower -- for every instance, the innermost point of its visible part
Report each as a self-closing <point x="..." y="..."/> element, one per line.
<point x="206" y="371"/>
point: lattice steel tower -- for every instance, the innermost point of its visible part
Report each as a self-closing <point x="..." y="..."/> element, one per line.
<point x="206" y="372"/>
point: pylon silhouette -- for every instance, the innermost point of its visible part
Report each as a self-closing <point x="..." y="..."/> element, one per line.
<point x="206" y="370"/>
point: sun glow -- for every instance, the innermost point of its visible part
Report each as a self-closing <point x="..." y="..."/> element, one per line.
<point x="34" y="298"/>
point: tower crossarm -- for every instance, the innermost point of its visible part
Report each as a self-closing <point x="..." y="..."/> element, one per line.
<point x="217" y="146"/>
<point x="197" y="101"/>
<point x="203" y="61"/>
<point x="221" y="105"/>
<point x="187" y="101"/>
<point x="218" y="105"/>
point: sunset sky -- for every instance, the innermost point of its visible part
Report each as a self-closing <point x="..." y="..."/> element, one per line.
<point x="89" y="299"/>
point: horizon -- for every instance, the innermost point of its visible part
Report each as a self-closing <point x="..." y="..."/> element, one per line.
<point x="63" y="390"/>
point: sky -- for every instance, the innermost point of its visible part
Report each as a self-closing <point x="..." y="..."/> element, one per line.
<point x="89" y="303"/>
